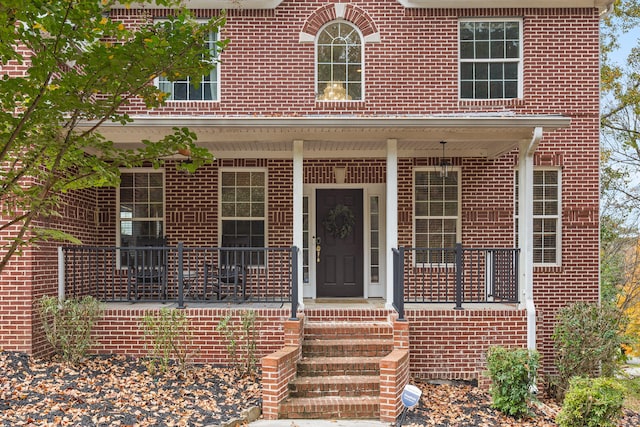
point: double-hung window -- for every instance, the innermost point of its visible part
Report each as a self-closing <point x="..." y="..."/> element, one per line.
<point x="437" y="214"/>
<point x="339" y="62"/>
<point x="243" y="210"/>
<point x="490" y="59"/>
<point x="140" y="207"/>
<point x="188" y="90"/>
<point x="546" y="216"/>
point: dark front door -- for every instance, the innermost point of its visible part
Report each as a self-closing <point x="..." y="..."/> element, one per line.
<point x="339" y="230"/>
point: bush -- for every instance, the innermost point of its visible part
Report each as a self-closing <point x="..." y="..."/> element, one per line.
<point x="170" y="336"/>
<point x="241" y="339"/>
<point x="67" y="325"/>
<point x="588" y="339"/>
<point x="513" y="373"/>
<point x="591" y="402"/>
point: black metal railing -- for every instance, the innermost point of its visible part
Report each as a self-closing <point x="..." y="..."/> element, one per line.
<point x="181" y="274"/>
<point x="454" y="275"/>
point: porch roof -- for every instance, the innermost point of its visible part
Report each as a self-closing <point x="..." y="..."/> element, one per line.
<point x="467" y="135"/>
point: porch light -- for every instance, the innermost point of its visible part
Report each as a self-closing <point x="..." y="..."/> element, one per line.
<point x="444" y="163"/>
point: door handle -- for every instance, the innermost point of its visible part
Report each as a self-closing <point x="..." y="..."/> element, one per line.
<point x="318" y="248"/>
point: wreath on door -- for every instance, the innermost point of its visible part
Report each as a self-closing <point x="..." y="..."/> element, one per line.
<point x="339" y="221"/>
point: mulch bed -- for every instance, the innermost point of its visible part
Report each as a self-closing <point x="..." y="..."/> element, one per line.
<point x="463" y="405"/>
<point x="119" y="391"/>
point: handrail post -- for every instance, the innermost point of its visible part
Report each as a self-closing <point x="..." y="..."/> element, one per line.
<point x="180" y="275"/>
<point x="61" y="275"/>
<point x="398" y="282"/>
<point x="458" y="276"/>
<point x="294" y="283"/>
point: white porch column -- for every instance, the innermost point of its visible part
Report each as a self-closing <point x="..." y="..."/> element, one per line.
<point x="298" y="183"/>
<point x="391" y="225"/>
<point x="525" y="230"/>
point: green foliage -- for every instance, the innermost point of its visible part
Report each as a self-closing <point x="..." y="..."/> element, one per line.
<point x="241" y="340"/>
<point x="170" y="335"/>
<point x="67" y="325"/>
<point x="82" y="68"/>
<point x="513" y="374"/>
<point x="587" y="339"/>
<point x="591" y="402"/>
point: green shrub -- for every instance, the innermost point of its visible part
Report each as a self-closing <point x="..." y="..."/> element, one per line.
<point x="591" y="402"/>
<point x="170" y="335"/>
<point x="67" y="325"/>
<point x="587" y="339"/>
<point x="513" y="373"/>
<point x="241" y="340"/>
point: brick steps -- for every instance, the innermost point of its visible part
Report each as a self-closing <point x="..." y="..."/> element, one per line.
<point x="338" y="376"/>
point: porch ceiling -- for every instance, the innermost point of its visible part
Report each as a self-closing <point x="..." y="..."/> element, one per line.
<point x="343" y="137"/>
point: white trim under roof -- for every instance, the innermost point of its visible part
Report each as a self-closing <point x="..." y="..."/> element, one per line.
<point x="466" y="4"/>
<point x="468" y="135"/>
<point x="208" y="4"/>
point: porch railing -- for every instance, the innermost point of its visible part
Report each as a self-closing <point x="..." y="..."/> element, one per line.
<point x="454" y="275"/>
<point x="180" y="274"/>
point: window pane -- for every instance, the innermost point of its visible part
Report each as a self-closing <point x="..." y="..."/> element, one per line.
<point x="467" y="50"/>
<point x="482" y="50"/>
<point x="482" y="90"/>
<point x="466" y="70"/>
<point x="466" y="90"/>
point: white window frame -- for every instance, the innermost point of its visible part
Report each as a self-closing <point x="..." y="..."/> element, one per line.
<point x="118" y="202"/>
<point x="458" y="217"/>
<point x="519" y="60"/>
<point x="215" y="73"/>
<point x="264" y="218"/>
<point x="362" y="71"/>
<point x="557" y="217"/>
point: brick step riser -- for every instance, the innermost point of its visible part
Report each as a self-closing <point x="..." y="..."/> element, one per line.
<point x="328" y="333"/>
<point x="345" y="351"/>
<point x="325" y="371"/>
<point x="334" y="390"/>
<point x="333" y="412"/>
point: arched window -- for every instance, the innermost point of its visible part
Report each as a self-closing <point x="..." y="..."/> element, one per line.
<point x="339" y="62"/>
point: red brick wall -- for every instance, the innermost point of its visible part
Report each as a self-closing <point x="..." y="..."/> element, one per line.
<point x="34" y="273"/>
<point x="452" y="344"/>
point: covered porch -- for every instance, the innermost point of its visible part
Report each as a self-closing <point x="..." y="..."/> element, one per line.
<point x="326" y="145"/>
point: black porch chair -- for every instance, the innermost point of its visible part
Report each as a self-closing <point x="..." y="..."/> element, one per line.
<point x="229" y="279"/>
<point x="147" y="270"/>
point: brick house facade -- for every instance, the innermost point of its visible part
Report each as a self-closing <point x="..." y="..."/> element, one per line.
<point x="269" y="117"/>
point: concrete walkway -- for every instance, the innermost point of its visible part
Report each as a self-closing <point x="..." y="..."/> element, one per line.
<point x="318" y="423"/>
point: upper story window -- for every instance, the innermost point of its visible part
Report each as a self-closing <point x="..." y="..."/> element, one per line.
<point x="339" y="63"/>
<point x="490" y="59"/>
<point x="188" y="90"/>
